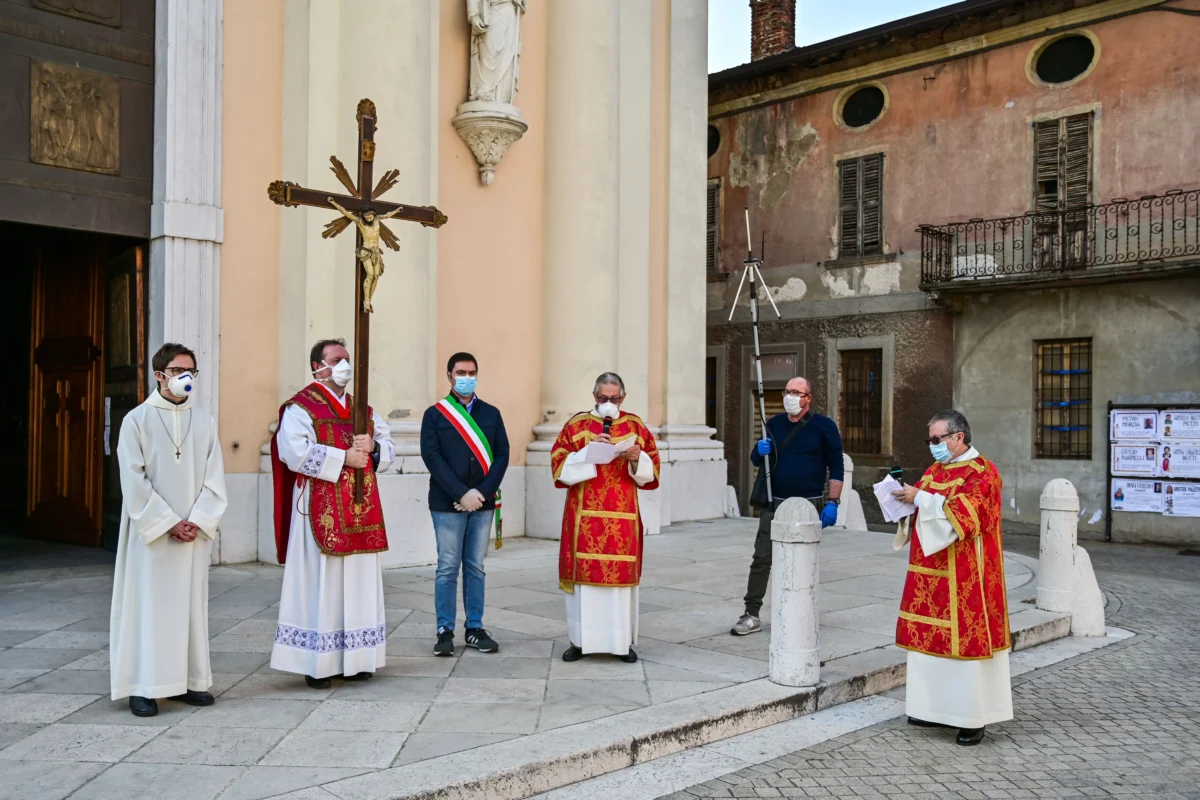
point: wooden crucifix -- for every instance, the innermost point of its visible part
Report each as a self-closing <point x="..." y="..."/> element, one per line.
<point x="362" y="208"/>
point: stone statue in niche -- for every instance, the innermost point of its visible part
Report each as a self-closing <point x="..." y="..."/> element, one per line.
<point x="489" y="122"/>
<point x="495" y="49"/>
<point x="74" y="117"/>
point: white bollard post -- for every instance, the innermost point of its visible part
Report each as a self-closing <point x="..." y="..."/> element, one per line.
<point x="1087" y="606"/>
<point x="795" y="537"/>
<point x="1056" y="568"/>
<point x="850" y="515"/>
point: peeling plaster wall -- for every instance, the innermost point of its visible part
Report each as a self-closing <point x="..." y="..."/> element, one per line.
<point x="958" y="145"/>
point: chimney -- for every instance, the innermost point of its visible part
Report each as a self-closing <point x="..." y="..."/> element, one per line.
<point x="772" y="27"/>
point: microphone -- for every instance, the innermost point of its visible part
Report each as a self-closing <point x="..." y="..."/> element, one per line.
<point x="607" y="425"/>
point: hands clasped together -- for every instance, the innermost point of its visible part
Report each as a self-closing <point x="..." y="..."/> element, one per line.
<point x="359" y="454"/>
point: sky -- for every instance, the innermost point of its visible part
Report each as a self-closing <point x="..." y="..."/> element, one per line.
<point x="816" y="21"/>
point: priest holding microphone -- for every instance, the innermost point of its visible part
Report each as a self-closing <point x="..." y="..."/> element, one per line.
<point x="602" y="457"/>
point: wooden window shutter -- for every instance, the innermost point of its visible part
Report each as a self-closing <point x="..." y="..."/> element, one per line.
<point x="714" y="197"/>
<point x="849" y="206"/>
<point x="1077" y="161"/>
<point x="871" y="226"/>
<point x="1045" y="165"/>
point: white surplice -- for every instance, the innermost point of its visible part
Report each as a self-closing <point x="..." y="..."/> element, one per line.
<point x="158" y="630"/>
<point x="331" y="617"/>
<point x="950" y="691"/>
<point x="603" y="619"/>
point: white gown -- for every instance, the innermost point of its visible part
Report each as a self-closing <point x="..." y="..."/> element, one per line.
<point x="602" y="619"/>
<point x="331" y="616"/>
<point x="950" y="691"/>
<point x="158" y="630"/>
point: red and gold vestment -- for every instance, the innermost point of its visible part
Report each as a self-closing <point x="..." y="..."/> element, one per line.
<point x="602" y="530"/>
<point x="340" y="526"/>
<point x="954" y="602"/>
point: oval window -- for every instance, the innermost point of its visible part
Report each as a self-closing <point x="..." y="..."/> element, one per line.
<point x="863" y="106"/>
<point x="714" y="140"/>
<point x="1065" y="59"/>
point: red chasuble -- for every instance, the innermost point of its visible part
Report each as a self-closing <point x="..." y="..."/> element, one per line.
<point x="340" y="526"/>
<point x="954" y="603"/>
<point x="601" y="531"/>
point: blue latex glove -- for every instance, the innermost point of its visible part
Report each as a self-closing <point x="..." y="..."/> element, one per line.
<point x="829" y="514"/>
<point x="764" y="447"/>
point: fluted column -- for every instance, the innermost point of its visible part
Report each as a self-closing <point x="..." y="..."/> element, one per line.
<point x="186" y="220"/>
<point x="580" y="316"/>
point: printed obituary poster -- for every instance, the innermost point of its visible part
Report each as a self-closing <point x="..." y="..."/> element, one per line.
<point x="1181" y="499"/>
<point x="1137" y="495"/>
<point x="1183" y="424"/>
<point x="1134" y="426"/>
<point x="1179" y="459"/>
<point x="1135" y="459"/>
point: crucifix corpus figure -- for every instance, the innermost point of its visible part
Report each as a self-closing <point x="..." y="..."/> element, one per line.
<point x="363" y="207"/>
<point x="370" y="226"/>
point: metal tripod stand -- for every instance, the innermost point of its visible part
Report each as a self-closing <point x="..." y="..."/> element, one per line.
<point x="750" y="269"/>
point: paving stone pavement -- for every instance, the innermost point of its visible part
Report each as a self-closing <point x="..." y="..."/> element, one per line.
<point x="268" y="734"/>
<point x="1123" y="721"/>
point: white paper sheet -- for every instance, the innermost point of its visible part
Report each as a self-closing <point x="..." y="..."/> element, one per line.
<point x="893" y="509"/>
<point x="604" y="453"/>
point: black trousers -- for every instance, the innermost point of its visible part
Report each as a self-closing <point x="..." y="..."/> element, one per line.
<point x="760" y="564"/>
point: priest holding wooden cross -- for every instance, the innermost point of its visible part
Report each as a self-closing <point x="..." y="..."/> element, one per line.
<point x="329" y="526"/>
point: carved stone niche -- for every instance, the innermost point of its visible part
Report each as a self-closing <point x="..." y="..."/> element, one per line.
<point x="489" y="129"/>
<point x="74" y="118"/>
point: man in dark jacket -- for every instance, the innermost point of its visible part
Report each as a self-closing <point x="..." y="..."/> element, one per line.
<point x="803" y="446"/>
<point x="465" y="448"/>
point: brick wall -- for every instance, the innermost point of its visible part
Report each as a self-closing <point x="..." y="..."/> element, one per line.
<point x="772" y="27"/>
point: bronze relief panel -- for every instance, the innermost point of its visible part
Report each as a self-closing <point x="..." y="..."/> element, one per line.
<point x="74" y="118"/>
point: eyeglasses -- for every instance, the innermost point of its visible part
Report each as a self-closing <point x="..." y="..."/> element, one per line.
<point x="795" y="393"/>
<point x="174" y="372"/>
<point x="601" y="399"/>
<point x="937" y="439"/>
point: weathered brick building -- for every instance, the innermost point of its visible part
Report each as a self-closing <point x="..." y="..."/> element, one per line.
<point x="992" y="205"/>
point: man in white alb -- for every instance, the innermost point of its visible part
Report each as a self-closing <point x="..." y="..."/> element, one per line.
<point x="603" y="457"/>
<point x="331" y="618"/>
<point x="172" y="500"/>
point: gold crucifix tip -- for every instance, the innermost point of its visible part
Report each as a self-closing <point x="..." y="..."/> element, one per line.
<point x="365" y="109"/>
<point x="277" y="192"/>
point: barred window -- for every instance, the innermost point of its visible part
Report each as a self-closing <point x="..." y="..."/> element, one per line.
<point x="860" y="400"/>
<point x="1063" y="399"/>
<point x="860" y="202"/>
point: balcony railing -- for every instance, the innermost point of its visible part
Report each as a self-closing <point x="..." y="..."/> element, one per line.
<point x="1154" y="229"/>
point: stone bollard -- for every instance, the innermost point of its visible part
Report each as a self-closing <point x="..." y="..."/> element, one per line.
<point x="850" y="515"/>
<point x="795" y="537"/>
<point x="1056" y="568"/>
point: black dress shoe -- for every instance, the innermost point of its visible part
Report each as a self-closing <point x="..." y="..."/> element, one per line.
<point x="143" y="706"/>
<point x="969" y="737"/>
<point x="194" y="698"/>
<point x="362" y="676"/>
<point x="572" y="653"/>
<point x="317" y="683"/>
<point x="920" y="723"/>
<point x="630" y="657"/>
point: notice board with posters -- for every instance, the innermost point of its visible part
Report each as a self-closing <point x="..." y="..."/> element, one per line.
<point x="1154" y="461"/>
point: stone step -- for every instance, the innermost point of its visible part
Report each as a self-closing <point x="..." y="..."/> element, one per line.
<point x="529" y="765"/>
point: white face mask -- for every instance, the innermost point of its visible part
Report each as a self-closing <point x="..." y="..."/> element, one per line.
<point x="342" y="372"/>
<point x="791" y="405"/>
<point x="607" y="410"/>
<point x="181" y="385"/>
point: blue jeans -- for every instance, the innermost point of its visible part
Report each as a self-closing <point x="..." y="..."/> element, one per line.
<point x="462" y="541"/>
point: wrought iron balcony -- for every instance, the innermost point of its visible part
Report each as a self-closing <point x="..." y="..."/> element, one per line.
<point x="1154" y="231"/>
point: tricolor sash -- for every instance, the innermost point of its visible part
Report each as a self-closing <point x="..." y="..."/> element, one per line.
<point x="453" y="411"/>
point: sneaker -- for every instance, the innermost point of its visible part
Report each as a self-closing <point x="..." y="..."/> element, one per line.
<point x="747" y="624"/>
<point x="481" y="641"/>
<point x="445" y="643"/>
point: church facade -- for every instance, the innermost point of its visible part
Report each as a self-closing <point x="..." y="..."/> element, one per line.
<point x="564" y="142"/>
